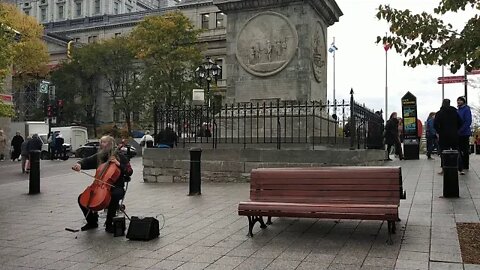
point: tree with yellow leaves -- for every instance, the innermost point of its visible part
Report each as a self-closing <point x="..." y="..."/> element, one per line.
<point x="21" y="47"/>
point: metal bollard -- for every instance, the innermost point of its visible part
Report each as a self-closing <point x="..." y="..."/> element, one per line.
<point x="34" y="178"/>
<point x="450" y="173"/>
<point x="195" y="171"/>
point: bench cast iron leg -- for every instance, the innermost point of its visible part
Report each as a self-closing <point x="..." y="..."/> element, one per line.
<point x="390" y="226"/>
<point x="250" y="226"/>
<point x="251" y="222"/>
<point x="394" y="227"/>
<point x="269" y="221"/>
<point x="262" y="224"/>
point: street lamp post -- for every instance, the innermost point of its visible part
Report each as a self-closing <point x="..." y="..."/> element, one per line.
<point x="208" y="71"/>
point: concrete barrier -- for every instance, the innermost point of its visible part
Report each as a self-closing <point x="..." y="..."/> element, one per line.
<point x="234" y="165"/>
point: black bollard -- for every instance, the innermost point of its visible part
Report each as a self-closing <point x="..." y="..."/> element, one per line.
<point x="34" y="178"/>
<point x="450" y="173"/>
<point x="195" y="171"/>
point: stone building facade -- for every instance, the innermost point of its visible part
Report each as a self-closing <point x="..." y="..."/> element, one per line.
<point x="58" y="10"/>
<point x="221" y="46"/>
<point x="203" y="14"/>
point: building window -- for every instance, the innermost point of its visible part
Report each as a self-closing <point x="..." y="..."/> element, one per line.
<point x="219" y="62"/>
<point x="78" y="9"/>
<point x="118" y="34"/>
<point x="116" y="118"/>
<point x="92" y="39"/>
<point x="60" y="12"/>
<point x="43" y="14"/>
<point x="77" y="40"/>
<point x="116" y="8"/>
<point x="27" y="12"/>
<point x="220" y="19"/>
<point x="205" y="20"/>
<point x="97" y="6"/>
<point x="129" y="10"/>
<point x="136" y="116"/>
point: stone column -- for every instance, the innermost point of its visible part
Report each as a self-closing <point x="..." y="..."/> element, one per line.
<point x="277" y="49"/>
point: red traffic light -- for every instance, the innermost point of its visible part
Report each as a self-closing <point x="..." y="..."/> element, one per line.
<point x="49" y="110"/>
<point x="60" y="103"/>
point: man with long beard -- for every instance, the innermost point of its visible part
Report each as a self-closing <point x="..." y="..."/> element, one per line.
<point x="106" y="153"/>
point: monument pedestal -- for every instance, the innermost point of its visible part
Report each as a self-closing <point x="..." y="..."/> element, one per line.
<point x="277" y="49"/>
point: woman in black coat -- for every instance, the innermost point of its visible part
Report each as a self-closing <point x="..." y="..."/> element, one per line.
<point x="392" y="137"/>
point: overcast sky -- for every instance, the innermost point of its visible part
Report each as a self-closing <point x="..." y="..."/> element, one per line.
<point x="360" y="63"/>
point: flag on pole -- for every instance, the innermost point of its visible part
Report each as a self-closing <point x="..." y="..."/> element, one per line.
<point x="332" y="48"/>
<point x="387" y="46"/>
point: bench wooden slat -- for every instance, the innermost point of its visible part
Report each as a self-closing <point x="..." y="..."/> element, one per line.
<point x="325" y="187"/>
<point x="325" y="193"/>
<point x="362" y="216"/>
<point x="357" y="206"/>
<point x="327" y="200"/>
<point x="371" y="193"/>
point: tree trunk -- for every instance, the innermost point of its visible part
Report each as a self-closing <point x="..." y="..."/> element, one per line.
<point x="129" y="123"/>
<point x="155" y="118"/>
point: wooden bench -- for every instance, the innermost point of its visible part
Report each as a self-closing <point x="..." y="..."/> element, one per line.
<point x="366" y="193"/>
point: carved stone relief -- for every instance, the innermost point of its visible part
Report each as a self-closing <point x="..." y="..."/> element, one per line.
<point x="319" y="52"/>
<point x="266" y="44"/>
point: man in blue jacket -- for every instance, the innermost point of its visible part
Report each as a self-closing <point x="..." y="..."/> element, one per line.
<point x="464" y="133"/>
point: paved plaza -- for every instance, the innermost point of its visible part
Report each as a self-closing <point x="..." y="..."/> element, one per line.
<point x="205" y="232"/>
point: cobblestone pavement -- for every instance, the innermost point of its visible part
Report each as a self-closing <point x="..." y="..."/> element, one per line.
<point x="205" y="232"/>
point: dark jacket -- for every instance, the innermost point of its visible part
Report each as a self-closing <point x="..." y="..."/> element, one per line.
<point x="17" y="142"/>
<point x="34" y="144"/>
<point x="93" y="162"/>
<point x="466" y="115"/>
<point x="24" y="151"/>
<point x="391" y="131"/>
<point x="167" y="137"/>
<point x="447" y="123"/>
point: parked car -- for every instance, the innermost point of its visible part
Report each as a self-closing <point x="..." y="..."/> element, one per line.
<point x="91" y="148"/>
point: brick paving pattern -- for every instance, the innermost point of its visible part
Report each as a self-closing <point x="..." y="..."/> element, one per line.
<point x="205" y="232"/>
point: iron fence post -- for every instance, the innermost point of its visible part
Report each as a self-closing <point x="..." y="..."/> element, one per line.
<point x="352" y="121"/>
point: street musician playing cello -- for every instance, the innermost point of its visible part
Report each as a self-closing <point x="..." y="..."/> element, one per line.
<point x="107" y="155"/>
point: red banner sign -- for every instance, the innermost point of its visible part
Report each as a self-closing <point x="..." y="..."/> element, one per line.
<point x="6" y="98"/>
<point x="474" y="72"/>
<point x="451" y="79"/>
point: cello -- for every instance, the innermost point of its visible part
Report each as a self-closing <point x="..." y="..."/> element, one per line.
<point x="97" y="196"/>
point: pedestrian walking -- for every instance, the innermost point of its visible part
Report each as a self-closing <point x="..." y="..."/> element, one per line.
<point x="16" y="145"/>
<point x="146" y="141"/>
<point x="392" y="137"/>
<point x="431" y="135"/>
<point x="447" y="123"/>
<point x="465" y="132"/>
<point x="25" y="155"/>
<point x="3" y="145"/>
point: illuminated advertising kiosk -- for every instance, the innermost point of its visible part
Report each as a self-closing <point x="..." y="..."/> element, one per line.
<point x="411" y="140"/>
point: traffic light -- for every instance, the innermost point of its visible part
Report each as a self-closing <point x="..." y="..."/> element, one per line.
<point x="49" y="111"/>
<point x="59" y="106"/>
<point x="55" y="111"/>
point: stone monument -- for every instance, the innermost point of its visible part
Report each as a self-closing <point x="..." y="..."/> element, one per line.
<point x="277" y="49"/>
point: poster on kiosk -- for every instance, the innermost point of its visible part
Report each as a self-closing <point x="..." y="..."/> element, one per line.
<point x="411" y="141"/>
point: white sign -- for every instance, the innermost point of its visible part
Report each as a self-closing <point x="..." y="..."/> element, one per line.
<point x="44" y="87"/>
<point x="198" y="96"/>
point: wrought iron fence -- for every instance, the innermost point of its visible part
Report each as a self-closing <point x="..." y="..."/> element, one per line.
<point x="274" y="124"/>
